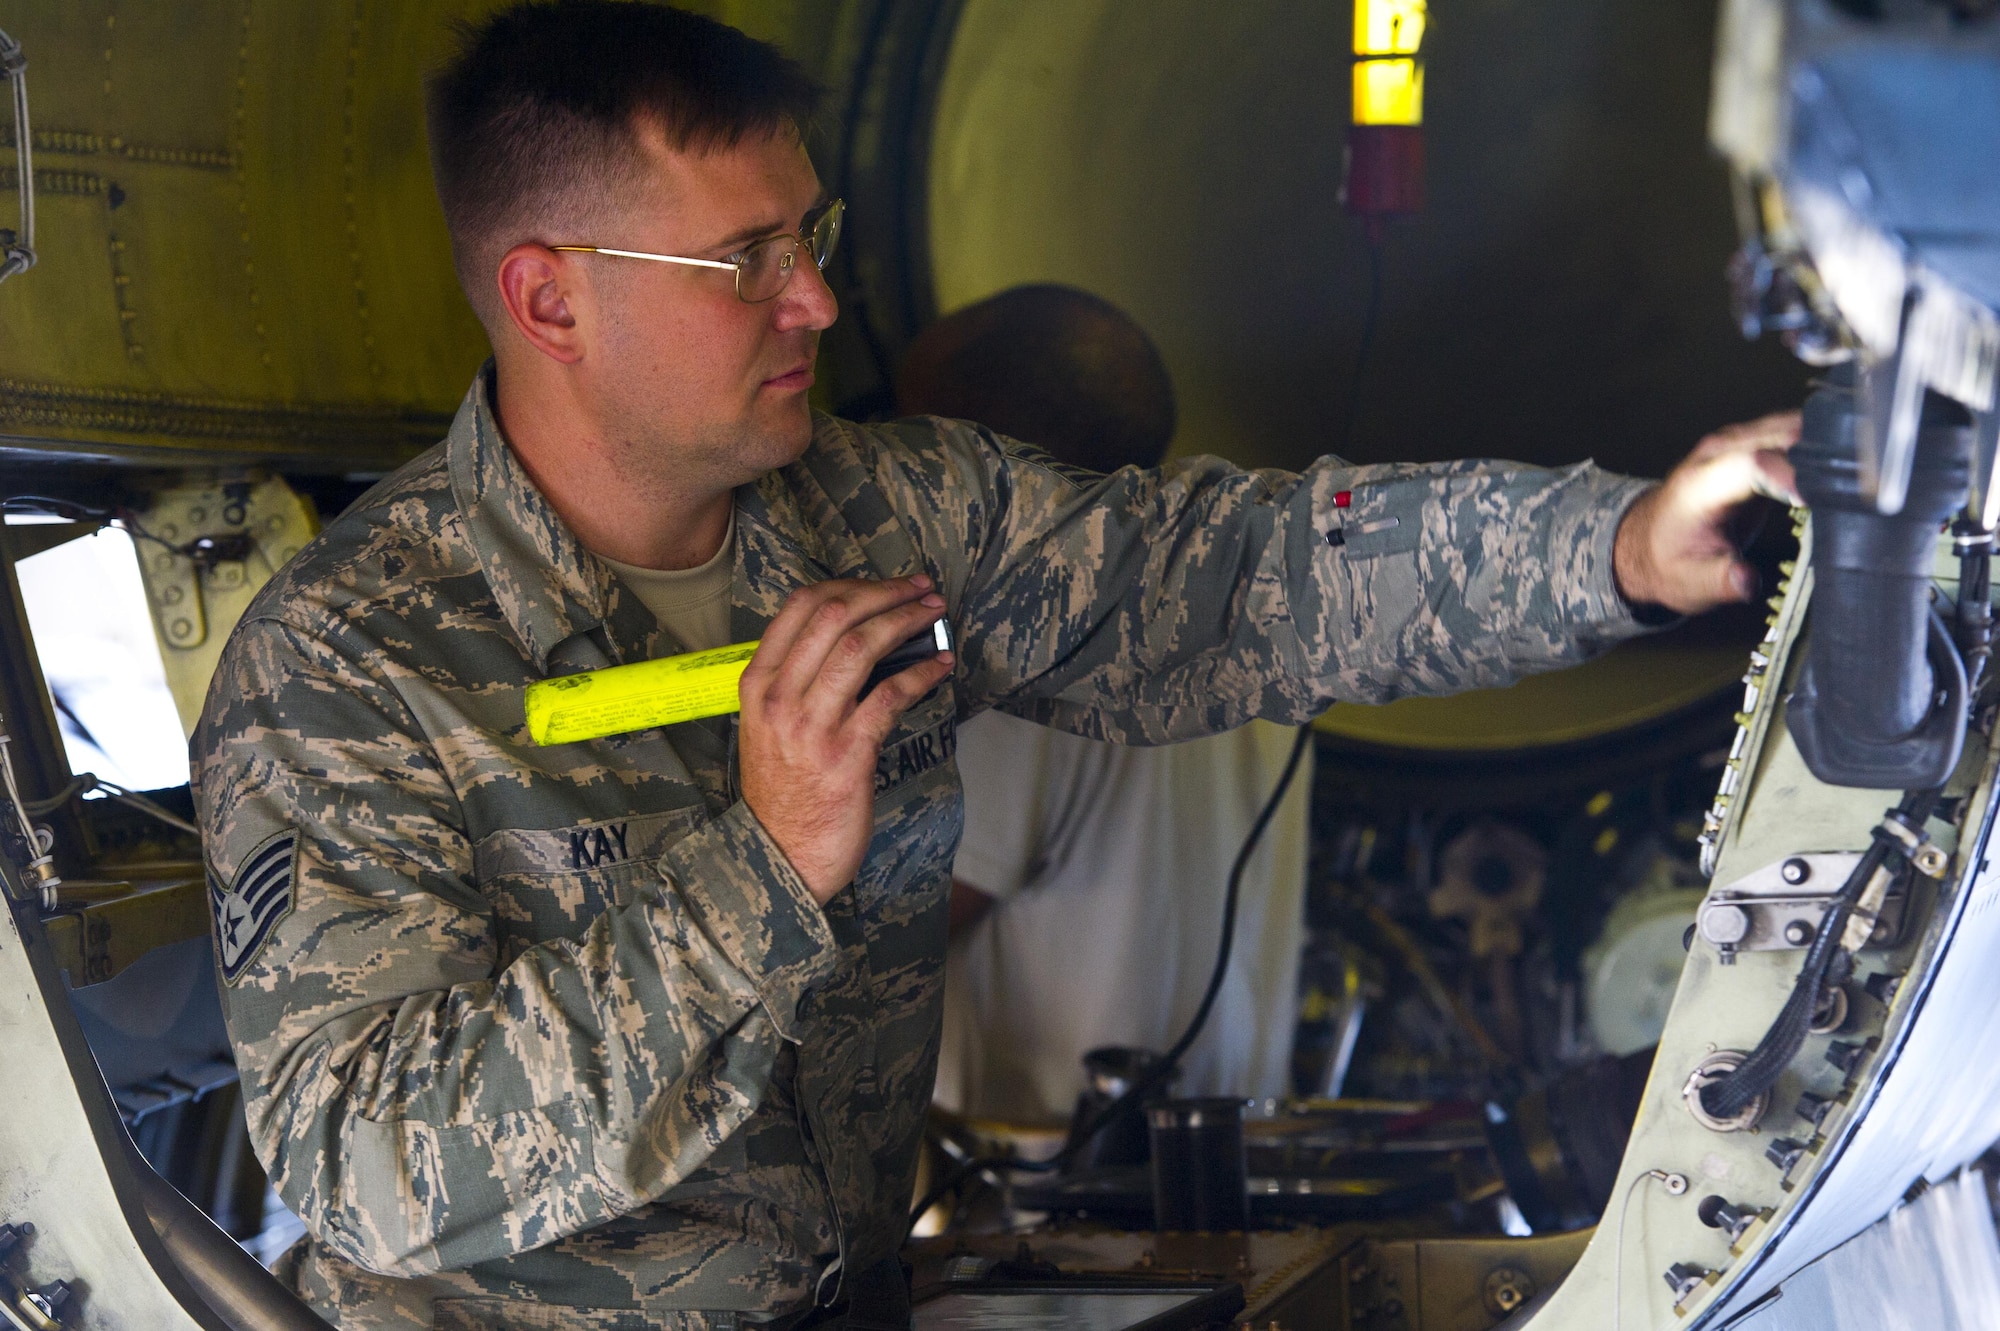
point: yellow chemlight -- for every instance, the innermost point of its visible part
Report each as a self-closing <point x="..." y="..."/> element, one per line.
<point x="1388" y="92"/>
<point x="1388" y="27"/>
<point x="619" y="699"/>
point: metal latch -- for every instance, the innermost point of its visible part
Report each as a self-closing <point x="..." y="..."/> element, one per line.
<point x="1781" y="906"/>
<point x="204" y="551"/>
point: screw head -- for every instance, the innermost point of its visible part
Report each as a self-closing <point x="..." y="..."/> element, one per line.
<point x="1798" y="933"/>
<point x="1795" y="871"/>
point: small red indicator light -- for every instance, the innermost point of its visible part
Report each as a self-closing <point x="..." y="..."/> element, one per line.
<point x="1343" y="499"/>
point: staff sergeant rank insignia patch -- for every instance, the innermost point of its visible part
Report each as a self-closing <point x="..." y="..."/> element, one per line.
<point x="250" y="909"/>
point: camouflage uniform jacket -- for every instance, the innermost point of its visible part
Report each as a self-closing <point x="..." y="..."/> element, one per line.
<point x="524" y="1024"/>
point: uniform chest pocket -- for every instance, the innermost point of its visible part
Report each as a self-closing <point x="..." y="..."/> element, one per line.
<point x="550" y="883"/>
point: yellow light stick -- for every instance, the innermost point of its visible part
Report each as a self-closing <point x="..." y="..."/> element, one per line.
<point x="665" y="692"/>
<point x="673" y="689"/>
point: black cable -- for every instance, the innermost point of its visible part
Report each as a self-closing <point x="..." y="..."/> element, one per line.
<point x="56" y="508"/>
<point x="1731" y="1094"/>
<point x="1155" y="1075"/>
<point x="1163" y="1069"/>
<point x="72" y="511"/>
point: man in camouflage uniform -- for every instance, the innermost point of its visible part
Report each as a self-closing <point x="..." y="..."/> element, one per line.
<point x="639" y="1032"/>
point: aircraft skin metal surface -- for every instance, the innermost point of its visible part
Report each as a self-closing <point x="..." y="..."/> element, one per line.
<point x="89" y="1232"/>
<point x="1902" y="1091"/>
<point x="1861" y="145"/>
<point x="239" y="254"/>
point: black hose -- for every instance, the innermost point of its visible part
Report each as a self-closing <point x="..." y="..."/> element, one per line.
<point x="1731" y="1094"/>
<point x="1880" y="700"/>
<point x="1161" y="1069"/>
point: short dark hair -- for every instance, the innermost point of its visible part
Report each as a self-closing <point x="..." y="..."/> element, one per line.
<point x="1050" y="365"/>
<point x="534" y="121"/>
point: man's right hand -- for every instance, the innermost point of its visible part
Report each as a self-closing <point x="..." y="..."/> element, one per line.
<point x="807" y="748"/>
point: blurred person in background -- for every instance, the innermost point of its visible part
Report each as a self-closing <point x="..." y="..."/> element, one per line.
<point x="1087" y="893"/>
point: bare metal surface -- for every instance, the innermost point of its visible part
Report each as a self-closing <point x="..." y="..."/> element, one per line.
<point x="52" y="1175"/>
<point x="241" y="1292"/>
<point x="1909" y="1091"/>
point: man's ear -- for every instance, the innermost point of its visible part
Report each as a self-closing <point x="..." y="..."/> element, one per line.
<point x="537" y="289"/>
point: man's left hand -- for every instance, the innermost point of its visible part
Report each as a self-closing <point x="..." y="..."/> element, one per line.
<point x="1674" y="547"/>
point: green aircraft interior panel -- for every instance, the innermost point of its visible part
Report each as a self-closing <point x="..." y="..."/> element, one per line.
<point x="239" y="251"/>
<point x="240" y="254"/>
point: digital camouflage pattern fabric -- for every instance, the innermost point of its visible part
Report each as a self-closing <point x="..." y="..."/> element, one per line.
<point x="556" y="1037"/>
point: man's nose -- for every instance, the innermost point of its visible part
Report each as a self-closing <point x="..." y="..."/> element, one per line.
<point x="807" y="301"/>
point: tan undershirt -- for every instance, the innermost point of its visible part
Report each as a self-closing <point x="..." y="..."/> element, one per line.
<point x="693" y="603"/>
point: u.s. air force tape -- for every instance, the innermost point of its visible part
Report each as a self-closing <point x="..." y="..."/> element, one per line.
<point x="674" y="689"/>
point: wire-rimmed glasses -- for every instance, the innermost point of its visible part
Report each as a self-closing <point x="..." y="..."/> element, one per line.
<point x="763" y="269"/>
